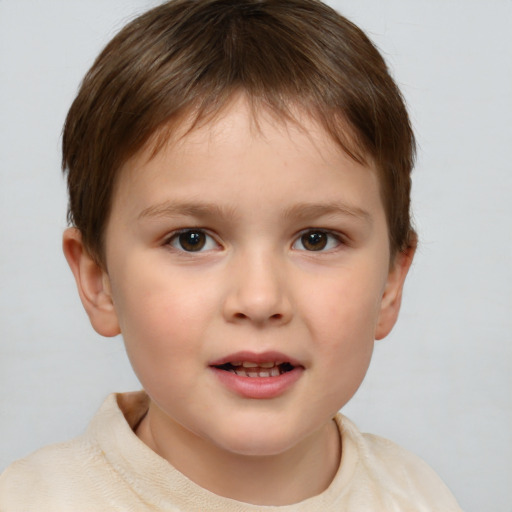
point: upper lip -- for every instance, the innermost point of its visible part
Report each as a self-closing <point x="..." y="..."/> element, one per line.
<point x="256" y="357"/>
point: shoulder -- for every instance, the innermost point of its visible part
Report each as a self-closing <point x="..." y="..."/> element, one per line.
<point x="73" y="474"/>
<point x="48" y="475"/>
<point x="394" y="474"/>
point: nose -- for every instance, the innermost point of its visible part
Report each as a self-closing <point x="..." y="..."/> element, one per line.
<point x="258" y="291"/>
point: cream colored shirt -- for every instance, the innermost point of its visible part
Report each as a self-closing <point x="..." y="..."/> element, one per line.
<point x="110" y="469"/>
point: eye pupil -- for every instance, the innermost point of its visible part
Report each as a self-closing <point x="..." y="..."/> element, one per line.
<point x="192" y="240"/>
<point x="314" y="240"/>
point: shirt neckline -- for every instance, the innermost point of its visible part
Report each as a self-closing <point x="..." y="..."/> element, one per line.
<point x="159" y="484"/>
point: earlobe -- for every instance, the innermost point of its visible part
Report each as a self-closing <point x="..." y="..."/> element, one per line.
<point x="392" y="296"/>
<point x="93" y="284"/>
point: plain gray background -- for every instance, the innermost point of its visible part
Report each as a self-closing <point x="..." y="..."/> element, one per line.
<point x="440" y="385"/>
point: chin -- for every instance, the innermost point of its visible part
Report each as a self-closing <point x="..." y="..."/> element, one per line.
<point x="257" y="447"/>
<point x="265" y="440"/>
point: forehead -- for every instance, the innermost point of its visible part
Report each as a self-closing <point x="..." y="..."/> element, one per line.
<point x="234" y="128"/>
<point x="248" y="166"/>
<point x="257" y="116"/>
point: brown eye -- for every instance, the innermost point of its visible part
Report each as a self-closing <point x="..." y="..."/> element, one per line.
<point x="314" y="240"/>
<point x="192" y="240"/>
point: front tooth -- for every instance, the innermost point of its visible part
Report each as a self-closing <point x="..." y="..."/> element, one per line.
<point x="274" y="372"/>
<point x="263" y="374"/>
<point x="248" y="364"/>
<point x="270" y="364"/>
<point x="241" y="373"/>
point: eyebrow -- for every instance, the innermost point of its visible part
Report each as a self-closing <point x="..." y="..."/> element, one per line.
<point x="308" y="211"/>
<point x="175" y="209"/>
<point x="301" y="211"/>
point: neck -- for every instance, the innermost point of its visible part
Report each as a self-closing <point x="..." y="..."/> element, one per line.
<point x="299" y="473"/>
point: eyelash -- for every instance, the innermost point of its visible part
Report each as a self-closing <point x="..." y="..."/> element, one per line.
<point x="174" y="240"/>
<point x="328" y="240"/>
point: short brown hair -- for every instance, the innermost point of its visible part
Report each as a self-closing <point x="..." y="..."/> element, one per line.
<point x="189" y="57"/>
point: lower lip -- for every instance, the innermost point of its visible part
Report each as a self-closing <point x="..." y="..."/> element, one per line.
<point x="258" y="387"/>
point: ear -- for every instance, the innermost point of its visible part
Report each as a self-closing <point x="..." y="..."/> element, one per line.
<point x="93" y="284"/>
<point x="392" y="296"/>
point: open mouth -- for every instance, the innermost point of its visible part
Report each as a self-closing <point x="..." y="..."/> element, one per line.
<point x="250" y="369"/>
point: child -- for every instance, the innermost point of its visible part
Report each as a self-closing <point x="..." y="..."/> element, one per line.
<point x="239" y="177"/>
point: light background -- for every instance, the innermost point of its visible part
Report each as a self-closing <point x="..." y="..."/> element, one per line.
<point x="440" y="385"/>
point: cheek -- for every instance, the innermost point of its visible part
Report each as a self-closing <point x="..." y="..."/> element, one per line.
<point x="345" y="307"/>
<point x="162" y="322"/>
<point x="342" y="320"/>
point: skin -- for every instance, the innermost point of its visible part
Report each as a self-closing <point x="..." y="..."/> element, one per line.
<point x="256" y="286"/>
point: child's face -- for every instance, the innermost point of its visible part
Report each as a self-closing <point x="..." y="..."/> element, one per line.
<point x="258" y="245"/>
